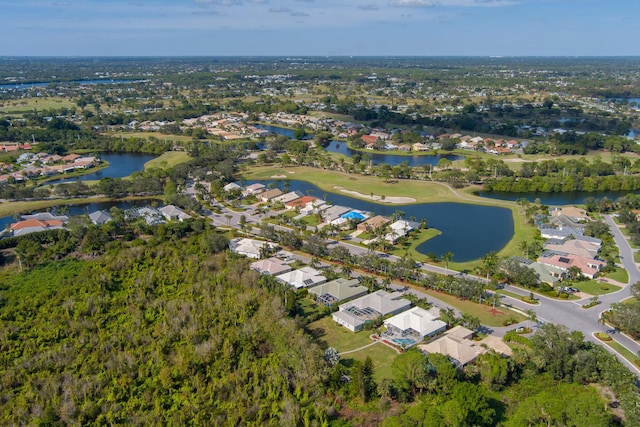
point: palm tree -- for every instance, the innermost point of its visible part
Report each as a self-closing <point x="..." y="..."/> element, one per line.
<point x="489" y="262"/>
<point x="524" y="247"/>
<point x="533" y="317"/>
<point x="446" y="257"/>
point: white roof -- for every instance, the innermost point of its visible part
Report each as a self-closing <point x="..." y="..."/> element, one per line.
<point x="381" y="301"/>
<point x="173" y="212"/>
<point x="417" y="319"/>
<point x="249" y="247"/>
<point x="302" y="278"/>
<point x="270" y="266"/>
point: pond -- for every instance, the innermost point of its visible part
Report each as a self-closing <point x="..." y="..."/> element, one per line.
<point x="390" y="159"/>
<point x="468" y="231"/>
<point x="120" y="166"/>
<point x="375" y="158"/>
<point x="555" y="199"/>
<point x="85" y="209"/>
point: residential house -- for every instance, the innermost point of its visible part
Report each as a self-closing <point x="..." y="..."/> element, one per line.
<point x="100" y="217"/>
<point x="457" y="344"/>
<point x="373" y="223"/>
<point x="412" y="326"/>
<point x="231" y="187"/>
<point x="250" y="248"/>
<point x="27" y="226"/>
<point x="588" y="266"/>
<point x="270" y="195"/>
<point x="254" y="189"/>
<point x="171" y="212"/>
<point x="399" y="229"/>
<point x="270" y="266"/>
<point x="575" y="213"/>
<point x="353" y="315"/>
<point x="288" y="197"/>
<point x="418" y="146"/>
<point x="334" y="212"/>
<point x="575" y="247"/>
<point x="300" y="202"/>
<point x="302" y="278"/>
<point x="341" y="289"/>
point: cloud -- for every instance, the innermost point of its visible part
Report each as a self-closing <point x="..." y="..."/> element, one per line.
<point x="413" y="3"/>
<point x="451" y="3"/>
<point x="220" y="2"/>
<point x="279" y="10"/>
<point x="299" y="14"/>
<point x="61" y="3"/>
<point x="368" y="7"/>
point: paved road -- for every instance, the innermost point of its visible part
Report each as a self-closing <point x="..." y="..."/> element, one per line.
<point x="567" y="313"/>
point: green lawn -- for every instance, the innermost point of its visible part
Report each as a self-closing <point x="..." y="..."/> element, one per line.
<point x="29" y="104"/>
<point x="415" y="240"/>
<point x="168" y="160"/>
<point x="329" y="334"/>
<point x="620" y="275"/>
<point x="627" y="354"/>
<point x="594" y="287"/>
<point x="381" y="355"/>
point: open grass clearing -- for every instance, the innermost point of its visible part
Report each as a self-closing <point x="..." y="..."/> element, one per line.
<point x="415" y="240"/>
<point x="329" y="334"/>
<point x="381" y="355"/>
<point x="168" y="160"/>
<point x="595" y="287"/>
<point x="31" y="104"/>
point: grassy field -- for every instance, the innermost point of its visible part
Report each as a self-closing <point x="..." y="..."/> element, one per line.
<point x="168" y="160"/>
<point x="416" y="240"/>
<point x="30" y="104"/>
<point x="329" y="334"/>
<point x="421" y="191"/>
<point x="381" y="355"/>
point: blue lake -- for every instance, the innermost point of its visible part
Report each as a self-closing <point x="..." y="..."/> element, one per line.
<point x="23" y="86"/>
<point x="120" y="165"/>
<point x="85" y="209"/>
<point x="468" y="231"/>
<point x="389" y="159"/>
<point x="375" y="158"/>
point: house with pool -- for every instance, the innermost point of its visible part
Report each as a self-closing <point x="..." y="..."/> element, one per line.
<point x="355" y="314"/>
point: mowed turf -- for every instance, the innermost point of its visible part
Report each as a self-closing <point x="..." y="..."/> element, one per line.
<point x="167" y="160"/>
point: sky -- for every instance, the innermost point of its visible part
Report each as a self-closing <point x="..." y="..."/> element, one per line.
<point x="319" y="27"/>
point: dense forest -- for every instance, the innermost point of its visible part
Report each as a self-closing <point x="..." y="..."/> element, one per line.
<point x="155" y="325"/>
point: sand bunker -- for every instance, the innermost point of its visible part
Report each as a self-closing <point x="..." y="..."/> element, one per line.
<point x="387" y="199"/>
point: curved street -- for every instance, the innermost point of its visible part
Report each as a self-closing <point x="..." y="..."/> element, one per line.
<point x="549" y="310"/>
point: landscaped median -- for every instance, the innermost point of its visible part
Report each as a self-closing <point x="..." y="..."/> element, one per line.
<point x="619" y="348"/>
